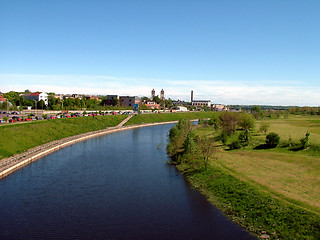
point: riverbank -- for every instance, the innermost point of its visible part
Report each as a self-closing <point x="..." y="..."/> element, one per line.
<point x="11" y="164"/>
<point x="238" y="182"/>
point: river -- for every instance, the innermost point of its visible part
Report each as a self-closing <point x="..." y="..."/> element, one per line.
<point x="117" y="186"/>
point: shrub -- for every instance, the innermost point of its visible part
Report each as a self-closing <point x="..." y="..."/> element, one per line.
<point x="235" y="144"/>
<point x="223" y="137"/>
<point x="305" y="141"/>
<point x="264" y="127"/>
<point x="215" y="122"/>
<point x="245" y="137"/>
<point x="272" y="139"/>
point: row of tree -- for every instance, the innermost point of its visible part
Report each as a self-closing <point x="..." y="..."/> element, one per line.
<point x="16" y="99"/>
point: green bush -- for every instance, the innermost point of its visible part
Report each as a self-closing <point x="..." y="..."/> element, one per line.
<point x="305" y="141"/>
<point x="272" y="139"/>
<point x="235" y="145"/>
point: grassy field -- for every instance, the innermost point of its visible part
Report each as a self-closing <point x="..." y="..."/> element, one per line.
<point x="271" y="191"/>
<point x="291" y="175"/>
<point x="165" y="117"/>
<point x="295" y="127"/>
<point x="17" y="138"/>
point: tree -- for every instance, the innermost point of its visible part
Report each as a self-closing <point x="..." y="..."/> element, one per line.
<point x="168" y="103"/>
<point x="177" y="136"/>
<point x="264" y="127"/>
<point x="256" y="111"/>
<point x="272" y="139"/>
<point x="41" y="104"/>
<point x="215" y="122"/>
<point x="189" y="144"/>
<point x="246" y="121"/>
<point x="77" y="103"/>
<point x="229" y="122"/>
<point x="145" y="99"/>
<point x="156" y="99"/>
<point x="206" y="149"/>
<point x="115" y="102"/>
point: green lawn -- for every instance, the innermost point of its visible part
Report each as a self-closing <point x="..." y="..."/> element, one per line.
<point x="291" y="175"/>
<point x="165" y="117"/>
<point x="296" y="127"/>
<point x="274" y="191"/>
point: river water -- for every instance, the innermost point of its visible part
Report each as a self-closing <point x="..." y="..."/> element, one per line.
<point x="117" y="186"/>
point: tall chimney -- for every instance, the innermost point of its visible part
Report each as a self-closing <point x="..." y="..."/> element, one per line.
<point x="191" y="95"/>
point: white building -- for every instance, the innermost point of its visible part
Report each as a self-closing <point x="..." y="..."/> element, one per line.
<point x="37" y="96"/>
<point x="181" y="109"/>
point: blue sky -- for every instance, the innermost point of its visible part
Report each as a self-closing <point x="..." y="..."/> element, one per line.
<point x="230" y="52"/>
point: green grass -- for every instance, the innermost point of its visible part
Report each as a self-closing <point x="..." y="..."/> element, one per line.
<point x="17" y="138"/>
<point x="252" y="208"/>
<point x="165" y="117"/>
<point x="291" y="175"/>
<point x="272" y="190"/>
<point x="296" y="127"/>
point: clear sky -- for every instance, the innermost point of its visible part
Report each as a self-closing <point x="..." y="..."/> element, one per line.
<point x="230" y="52"/>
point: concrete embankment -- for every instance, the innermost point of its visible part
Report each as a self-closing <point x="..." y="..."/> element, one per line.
<point x="11" y="164"/>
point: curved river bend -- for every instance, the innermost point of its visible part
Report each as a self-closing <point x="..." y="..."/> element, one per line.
<point x="117" y="186"/>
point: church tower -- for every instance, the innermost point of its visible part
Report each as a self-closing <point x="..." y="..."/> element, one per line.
<point x="153" y="94"/>
<point x="162" y="94"/>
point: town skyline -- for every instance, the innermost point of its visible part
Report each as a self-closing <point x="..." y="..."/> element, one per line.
<point x="247" y="52"/>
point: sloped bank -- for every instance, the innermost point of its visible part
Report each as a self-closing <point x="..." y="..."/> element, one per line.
<point x="11" y="164"/>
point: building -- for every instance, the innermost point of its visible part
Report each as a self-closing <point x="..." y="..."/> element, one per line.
<point x="112" y="100"/>
<point x="153" y="105"/>
<point x="127" y="101"/>
<point x="162" y="94"/>
<point x="2" y="99"/>
<point x="153" y="94"/>
<point x="77" y="96"/>
<point x="89" y="97"/>
<point x="220" y="107"/>
<point x="201" y="103"/>
<point x="181" y="109"/>
<point x="37" y="96"/>
<point x="179" y="102"/>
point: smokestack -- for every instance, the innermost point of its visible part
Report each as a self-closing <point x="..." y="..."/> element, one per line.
<point x="191" y="95"/>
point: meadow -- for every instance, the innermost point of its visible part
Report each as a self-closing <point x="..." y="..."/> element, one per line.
<point x="165" y="117"/>
<point x="269" y="191"/>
